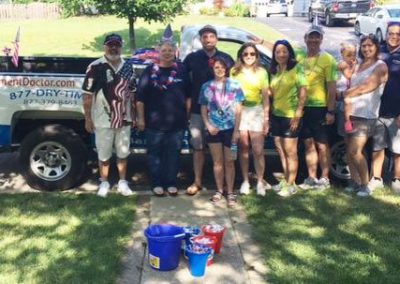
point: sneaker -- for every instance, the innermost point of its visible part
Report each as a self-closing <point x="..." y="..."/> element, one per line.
<point x="364" y="191"/>
<point x="123" y="188"/>
<point x="104" y="187"/>
<point x="278" y="187"/>
<point x="288" y="190"/>
<point x="323" y="183"/>
<point x="245" y="188"/>
<point x="262" y="187"/>
<point x="396" y="185"/>
<point x="352" y="187"/>
<point x="375" y="183"/>
<point x="309" y="183"/>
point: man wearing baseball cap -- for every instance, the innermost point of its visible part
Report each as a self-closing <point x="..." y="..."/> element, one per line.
<point x="319" y="112"/>
<point x="108" y="104"/>
<point x="199" y="65"/>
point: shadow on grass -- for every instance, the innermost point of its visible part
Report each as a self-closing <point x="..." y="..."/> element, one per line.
<point x="54" y="238"/>
<point x="328" y="237"/>
<point x="144" y="38"/>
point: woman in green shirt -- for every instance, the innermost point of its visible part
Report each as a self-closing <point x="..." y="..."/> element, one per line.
<point x="288" y="91"/>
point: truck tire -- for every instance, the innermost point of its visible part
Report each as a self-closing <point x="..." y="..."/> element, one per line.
<point x="357" y="30"/>
<point x="328" y="20"/>
<point x="310" y="16"/>
<point x="53" y="157"/>
<point x="339" y="168"/>
<point x="379" y="36"/>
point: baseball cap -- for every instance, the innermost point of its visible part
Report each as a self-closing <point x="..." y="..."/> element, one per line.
<point x="314" y="29"/>
<point x="207" y="28"/>
<point x="113" y="38"/>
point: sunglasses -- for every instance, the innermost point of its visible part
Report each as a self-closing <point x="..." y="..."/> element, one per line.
<point x="370" y="36"/>
<point x="244" y="54"/>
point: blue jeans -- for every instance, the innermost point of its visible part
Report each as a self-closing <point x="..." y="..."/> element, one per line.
<point x="163" y="154"/>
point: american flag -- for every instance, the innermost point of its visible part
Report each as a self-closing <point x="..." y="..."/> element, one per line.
<point x="15" y="56"/>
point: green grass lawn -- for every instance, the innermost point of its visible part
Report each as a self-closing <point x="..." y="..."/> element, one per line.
<point x="63" y="238"/>
<point x="328" y="237"/>
<point x="83" y="36"/>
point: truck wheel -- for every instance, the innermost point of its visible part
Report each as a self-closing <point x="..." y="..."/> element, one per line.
<point x="379" y="36"/>
<point x="53" y="157"/>
<point x="310" y="17"/>
<point x="328" y="20"/>
<point x="339" y="168"/>
<point x="357" y="30"/>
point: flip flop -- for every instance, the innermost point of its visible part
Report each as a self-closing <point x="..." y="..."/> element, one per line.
<point x="158" y="191"/>
<point x="172" y="191"/>
<point x="193" y="189"/>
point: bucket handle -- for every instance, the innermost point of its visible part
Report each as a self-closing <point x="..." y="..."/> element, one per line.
<point x="180" y="235"/>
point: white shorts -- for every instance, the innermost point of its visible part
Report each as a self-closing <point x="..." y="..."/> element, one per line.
<point x="106" y="138"/>
<point x="252" y="119"/>
<point x="387" y="135"/>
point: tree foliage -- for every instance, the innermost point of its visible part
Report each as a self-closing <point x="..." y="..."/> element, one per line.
<point x="148" y="10"/>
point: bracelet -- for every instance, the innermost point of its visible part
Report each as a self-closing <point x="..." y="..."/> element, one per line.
<point x="262" y="41"/>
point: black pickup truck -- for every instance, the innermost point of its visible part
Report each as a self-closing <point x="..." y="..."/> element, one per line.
<point x="333" y="11"/>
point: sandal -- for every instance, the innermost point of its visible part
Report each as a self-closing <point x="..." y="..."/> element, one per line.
<point x="217" y="196"/>
<point x="158" y="191"/>
<point x="172" y="191"/>
<point x="193" y="189"/>
<point x="232" y="200"/>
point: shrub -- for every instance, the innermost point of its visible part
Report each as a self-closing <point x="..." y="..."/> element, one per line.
<point x="208" y="11"/>
<point x="238" y="10"/>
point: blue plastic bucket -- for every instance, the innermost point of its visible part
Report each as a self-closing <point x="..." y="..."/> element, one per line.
<point x="164" y="245"/>
<point x="190" y="232"/>
<point x="198" y="256"/>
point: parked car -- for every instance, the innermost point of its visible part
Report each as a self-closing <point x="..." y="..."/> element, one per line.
<point x="277" y="7"/>
<point x="332" y="11"/>
<point x="375" y="21"/>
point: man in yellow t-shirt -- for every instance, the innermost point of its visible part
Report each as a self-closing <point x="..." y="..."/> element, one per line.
<point x="320" y="70"/>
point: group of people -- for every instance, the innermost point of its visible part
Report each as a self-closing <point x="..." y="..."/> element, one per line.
<point x="231" y="105"/>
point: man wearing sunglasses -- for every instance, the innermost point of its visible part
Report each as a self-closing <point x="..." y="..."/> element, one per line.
<point x="199" y="65"/>
<point x="387" y="132"/>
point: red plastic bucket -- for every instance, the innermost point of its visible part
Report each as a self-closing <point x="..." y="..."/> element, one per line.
<point x="215" y="231"/>
<point x="209" y="241"/>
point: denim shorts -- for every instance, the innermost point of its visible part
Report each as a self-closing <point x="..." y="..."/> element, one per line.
<point x="387" y="135"/>
<point x="362" y="126"/>
<point x="223" y="136"/>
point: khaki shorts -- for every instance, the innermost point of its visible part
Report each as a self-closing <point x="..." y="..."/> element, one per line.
<point x="252" y="119"/>
<point x="387" y="135"/>
<point x="197" y="131"/>
<point x="107" y="138"/>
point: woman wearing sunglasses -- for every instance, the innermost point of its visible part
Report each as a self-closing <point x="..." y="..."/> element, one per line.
<point x="288" y="91"/>
<point x="254" y="123"/>
<point x="364" y="94"/>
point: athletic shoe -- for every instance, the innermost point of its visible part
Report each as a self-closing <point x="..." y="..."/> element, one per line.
<point x="352" y="187"/>
<point x="262" y="187"/>
<point x="375" y="183"/>
<point x="396" y="185"/>
<point x="123" y="188"/>
<point x="309" y="183"/>
<point x="104" y="187"/>
<point x="278" y="187"/>
<point x="364" y="191"/>
<point x="245" y="188"/>
<point x="323" y="183"/>
<point x="288" y="190"/>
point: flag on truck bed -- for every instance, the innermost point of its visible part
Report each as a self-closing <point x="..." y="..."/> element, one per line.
<point x="15" y="56"/>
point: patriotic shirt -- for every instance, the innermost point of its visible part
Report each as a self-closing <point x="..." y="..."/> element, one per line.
<point x="113" y="92"/>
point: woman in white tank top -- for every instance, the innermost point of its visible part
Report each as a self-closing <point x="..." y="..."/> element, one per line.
<point x="365" y="93"/>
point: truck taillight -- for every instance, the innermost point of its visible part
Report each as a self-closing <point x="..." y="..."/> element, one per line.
<point x="335" y="7"/>
<point x="371" y="4"/>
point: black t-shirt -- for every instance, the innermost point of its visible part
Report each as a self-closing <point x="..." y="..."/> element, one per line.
<point x="165" y="108"/>
<point x="197" y="65"/>
<point x="390" y="101"/>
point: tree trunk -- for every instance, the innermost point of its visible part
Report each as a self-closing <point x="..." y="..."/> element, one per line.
<point x="132" y="41"/>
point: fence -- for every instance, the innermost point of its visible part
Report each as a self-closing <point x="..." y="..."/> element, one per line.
<point x="29" y="11"/>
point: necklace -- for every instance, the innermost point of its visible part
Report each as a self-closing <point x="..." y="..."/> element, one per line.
<point x="220" y="97"/>
<point x="155" y="76"/>
<point x="308" y="70"/>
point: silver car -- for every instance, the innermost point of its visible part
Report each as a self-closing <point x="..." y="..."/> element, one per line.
<point x="375" y="21"/>
<point x="277" y="7"/>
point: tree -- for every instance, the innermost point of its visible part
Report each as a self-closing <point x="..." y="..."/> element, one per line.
<point x="149" y="10"/>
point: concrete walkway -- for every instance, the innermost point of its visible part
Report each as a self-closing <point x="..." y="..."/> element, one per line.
<point x="239" y="261"/>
